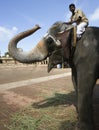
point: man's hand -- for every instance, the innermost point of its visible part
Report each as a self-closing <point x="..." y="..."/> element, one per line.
<point x="68" y="23"/>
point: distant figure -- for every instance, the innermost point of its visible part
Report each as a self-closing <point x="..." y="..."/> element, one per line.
<point x="79" y="18"/>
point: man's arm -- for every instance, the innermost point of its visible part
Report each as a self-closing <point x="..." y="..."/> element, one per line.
<point x="77" y="20"/>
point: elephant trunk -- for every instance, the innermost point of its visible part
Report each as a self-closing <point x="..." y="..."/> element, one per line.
<point x="38" y="53"/>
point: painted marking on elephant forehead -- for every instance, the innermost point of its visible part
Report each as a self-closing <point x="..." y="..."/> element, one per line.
<point x="23" y="83"/>
<point x="46" y="34"/>
<point x="58" y="43"/>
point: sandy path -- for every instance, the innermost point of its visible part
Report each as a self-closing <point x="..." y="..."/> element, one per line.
<point x="11" y="85"/>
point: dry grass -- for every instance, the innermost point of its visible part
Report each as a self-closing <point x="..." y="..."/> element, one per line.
<point x="53" y="113"/>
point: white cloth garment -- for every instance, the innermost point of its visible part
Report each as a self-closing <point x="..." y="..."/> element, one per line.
<point x="81" y="28"/>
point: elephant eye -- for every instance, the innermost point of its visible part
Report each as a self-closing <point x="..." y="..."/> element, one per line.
<point x="50" y="44"/>
<point x="49" y="40"/>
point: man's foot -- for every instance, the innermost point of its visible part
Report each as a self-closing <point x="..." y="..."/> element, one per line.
<point x="78" y="37"/>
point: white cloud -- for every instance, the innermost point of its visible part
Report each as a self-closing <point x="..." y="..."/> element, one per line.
<point x="6" y="34"/>
<point x="95" y="15"/>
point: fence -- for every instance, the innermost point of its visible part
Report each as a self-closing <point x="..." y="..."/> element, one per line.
<point x="9" y="60"/>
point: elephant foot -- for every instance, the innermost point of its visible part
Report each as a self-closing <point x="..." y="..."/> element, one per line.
<point x="84" y="126"/>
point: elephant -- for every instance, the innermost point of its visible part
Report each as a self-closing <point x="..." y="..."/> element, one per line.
<point x="82" y="55"/>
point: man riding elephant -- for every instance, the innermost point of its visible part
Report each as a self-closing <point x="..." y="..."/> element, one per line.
<point x="79" y="18"/>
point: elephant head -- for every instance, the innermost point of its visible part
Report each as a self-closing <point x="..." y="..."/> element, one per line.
<point x="54" y="41"/>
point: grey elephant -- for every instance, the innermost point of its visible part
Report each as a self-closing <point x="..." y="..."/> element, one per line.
<point x="83" y="58"/>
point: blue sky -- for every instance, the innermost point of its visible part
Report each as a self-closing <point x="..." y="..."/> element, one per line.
<point x="20" y="15"/>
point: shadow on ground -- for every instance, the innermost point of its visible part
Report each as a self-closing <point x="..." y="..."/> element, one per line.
<point x="57" y="99"/>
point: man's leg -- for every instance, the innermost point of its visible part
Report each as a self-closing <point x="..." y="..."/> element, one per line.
<point x="81" y="29"/>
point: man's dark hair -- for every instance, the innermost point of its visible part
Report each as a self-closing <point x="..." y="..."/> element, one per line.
<point x="71" y="5"/>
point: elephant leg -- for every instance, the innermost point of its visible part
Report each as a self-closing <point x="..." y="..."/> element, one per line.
<point x="85" y="85"/>
<point x="74" y="80"/>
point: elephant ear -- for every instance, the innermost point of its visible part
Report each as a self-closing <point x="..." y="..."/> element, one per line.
<point x="64" y="35"/>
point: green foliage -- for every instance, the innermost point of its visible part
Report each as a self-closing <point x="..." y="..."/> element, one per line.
<point x="6" y="53"/>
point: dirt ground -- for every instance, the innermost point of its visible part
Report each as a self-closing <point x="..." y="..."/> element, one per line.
<point x="14" y="99"/>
